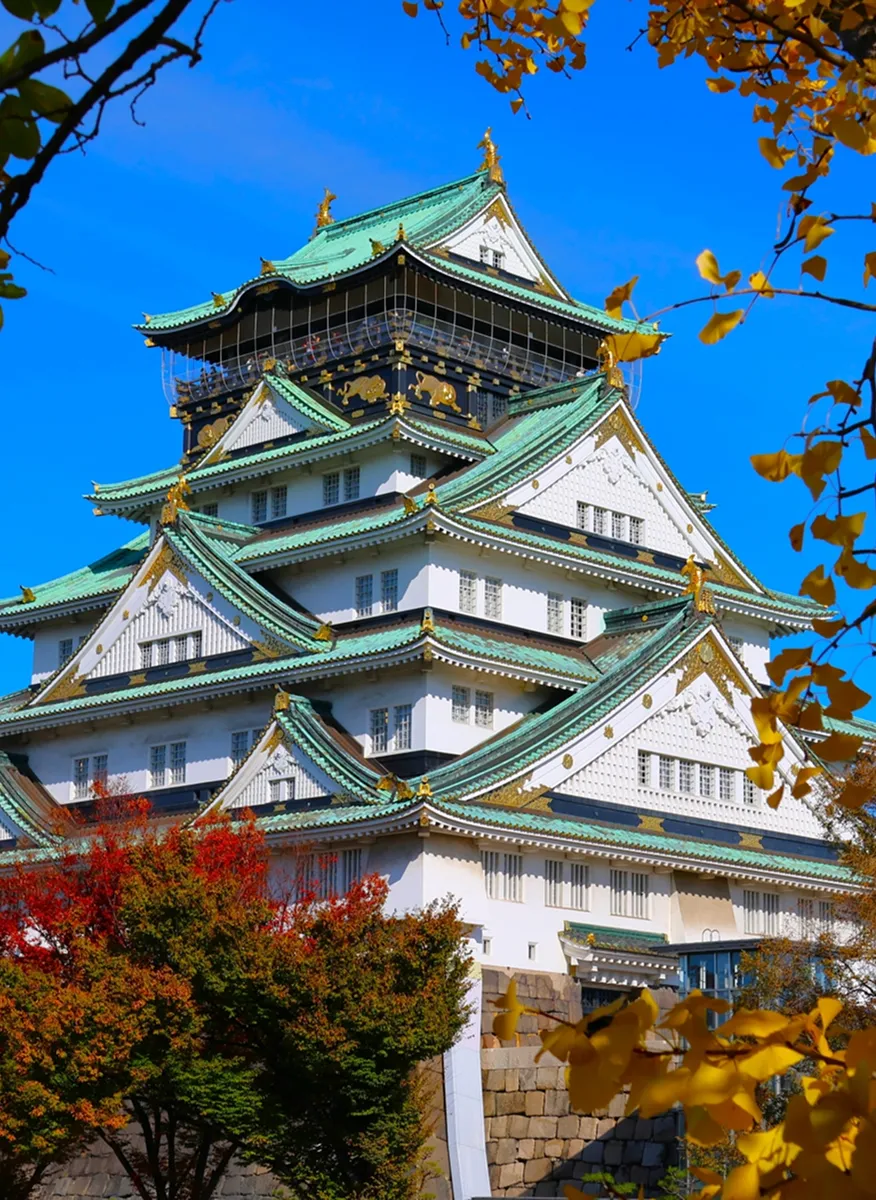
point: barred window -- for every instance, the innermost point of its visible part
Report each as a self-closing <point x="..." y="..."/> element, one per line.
<point x="239" y="745"/>
<point x="707" y="780"/>
<point x="196" y="644"/>
<point x="579" y="890"/>
<point x="667" y="773"/>
<point x="364" y="595"/>
<point x="418" y="465"/>
<point x="726" y="784"/>
<point x="259" y="502"/>
<point x="761" y="912"/>
<point x="350" y="868"/>
<point x="583" y="515"/>
<point x="282" y="790"/>
<point x="146" y="654"/>
<point x="578" y="619"/>
<point x="98" y="769"/>
<point x="331" y="488"/>
<point x="644" y="769"/>
<point x="503" y="875"/>
<point x="493" y="598"/>
<point x="81" y="786"/>
<point x="402" y="719"/>
<point x="637" y="531"/>
<point x="686" y="776"/>
<point x="157" y="766"/>
<point x="554" y="612"/>
<point x="210" y="510"/>
<point x="484" y="253"/>
<point x="180" y="646"/>
<point x="65" y="649"/>
<point x="484" y="709"/>
<point x="468" y="592"/>
<point x="498" y="258"/>
<point x="162" y="652"/>
<point x="389" y="590"/>
<point x="553" y="882"/>
<point x="460" y="705"/>
<point x="177" y="762"/>
<point x="279" y="497"/>
<point x="600" y="520"/>
<point x="749" y="791"/>
<point x="629" y="894"/>
<point x="351" y="483"/>
<point x="825" y="916"/>
<point x="379" y="724"/>
<point x="806" y="915"/>
<point x="618" y="526"/>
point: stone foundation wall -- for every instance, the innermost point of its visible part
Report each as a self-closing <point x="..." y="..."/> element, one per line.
<point x="535" y="1144"/>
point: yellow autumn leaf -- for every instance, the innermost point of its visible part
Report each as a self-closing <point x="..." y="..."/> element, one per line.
<point x="814" y="230"/>
<point x="767" y="1061"/>
<point x="827" y="629"/>
<point x="719" y="325"/>
<point x="707" y="265"/>
<point x="775" y="154"/>
<point x="743" y="1183"/>
<point x="795" y="535"/>
<point x="848" y="131"/>
<point x="816" y="461"/>
<point x="774" y="799"/>
<point x="843" y="392"/>
<point x="775" y="467"/>
<point x="505" y="1023"/>
<point x="720" y="85"/>
<point x="816" y="266"/>
<point x="869" y="266"/>
<point x="615" y="301"/>
<point x="761" y="284"/>
<point x="819" y="586"/>
<point x="855" y="573"/>
<point x="839" y="747"/>
<point x="845" y="699"/>
<point x="787" y="660"/>
<point x="801" y="786"/>
<point x="838" y="531"/>
<point x="761" y="776"/>
<point x="410" y="9"/>
<point x="629" y="347"/>
<point x="754" y="1022"/>
<point x="869" y="443"/>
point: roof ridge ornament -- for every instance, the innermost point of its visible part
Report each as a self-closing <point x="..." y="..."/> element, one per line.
<point x="696" y="587"/>
<point x="176" y="500"/>
<point x="608" y="364"/>
<point x="491" y="157"/>
<point x="324" y="212"/>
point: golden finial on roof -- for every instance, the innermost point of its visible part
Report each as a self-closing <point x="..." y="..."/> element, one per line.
<point x="376" y="247"/>
<point x="401" y="235"/>
<point x="268" y="267"/>
<point x="324" y="212"/>
<point x="427" y="625"/>
<point x="431" y="497"/>
<point x="281" y="701"/>
<point x="324" y="633"/>
<point x="696" y="586"/>
<point x="410" y="505"/>
<point x="614" y="376"/>
<point x="425" y="788"/>
<point x="491" y="157"/>
<point x="403" y="791"/>
<point x="218" y="299"/>
<point x="147" y="318"/>
<point x="591" y="939"/>
<point x="27" y="594"/>
<point x="176" y="500"/>
<point x="387" y="783"/>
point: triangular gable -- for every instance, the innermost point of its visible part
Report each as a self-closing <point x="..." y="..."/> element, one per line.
<point x="166" y="601"/>
<point x="497" y="229"/>
<point x="275" y="410"/>
<point x="614" y="467"/>
<point x="296" y="759"/>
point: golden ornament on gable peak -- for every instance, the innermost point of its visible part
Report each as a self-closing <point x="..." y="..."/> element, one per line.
<point x="324" y="212"/>
<point x="491" y="157"/>
<point x="267" y="267"/>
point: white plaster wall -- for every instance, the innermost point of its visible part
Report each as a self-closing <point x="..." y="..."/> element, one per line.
<point x="755" y="650"/>
<point x="45" y="645"/>
<point x="208" y="751"/>
<point x="497" y="235"/>
<point x="609" y="479"/>
<point x="327" y="588"/>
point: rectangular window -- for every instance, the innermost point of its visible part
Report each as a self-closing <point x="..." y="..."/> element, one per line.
<point x="503" y="875"/>
<point x="554" y="612"/>
<point x="667" y="773"/>
<point x="487" y="947"/>
<point x="402" y="719"/>
<point x="162" y="652"/>
<point x="578" y="619"/>
<point x="180" y="648"/>
<point x="331" y="488"/>
<point x="98" y="769"/>
<point x="80" y="779"/>
<point x="239" y="745"/>
<point x="210" y="510"/>
<point x="637" y="531"/>
<point x="282" y="790"/>
<point x="498" y="259"/>
<point x="484" y="253"/>
<point x="749" y="791"/>
<point x="707" y="780"/>
<point x="364" y="595"/>
<point x="259" y="501"/>
<point x="644" y="769"/>
<point x="389" y="590"/>
<point x="553" y="882"/>
<point x="460" y="705"/>
<point x="806" y="916"/>
<point x="498" y="407"/>
<point x="468" y="592"/>
<point x="351" y="483"/>
<point x="618" y="524"/>
<point x="761" y="910"/>
<point x="481" y="403"/>
<point x="583" y="515"/>
<point x="726" y="784"/>
<point x="197" y="641"/>
<point x="493" y="599"/>
<point x="146" y="655"/>
<point x="629" y="894"/>
<point x="600" y="520"/>
<point x="686" y="777"/>
<point x="350" y="865"/>
<point x="579" y="889"/>
<point x="379" y="730"/>
<point x="157" y="766"/>
<point x="65" y="649"/>
<point x="825" y="916"/>
<point x="177" y="762"/>
<point x="484" y="709"/>
<point x="278" y="502"/>
<point x="736" y="644"/>
<point x="418" y="466"/>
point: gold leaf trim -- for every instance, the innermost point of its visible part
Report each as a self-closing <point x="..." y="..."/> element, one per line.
<point x="708" y="658"/>
<point x="618" y="425"/>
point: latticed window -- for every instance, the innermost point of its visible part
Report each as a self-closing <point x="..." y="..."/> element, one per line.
<point x="600" y="520"/>
<point x="643" y="770"/>
<point x="389" y="590"/>
<point x="825" y="916"/>
<point x="162" y="652"/>
<point x="468" y="592"/>
<point x="618" y="524"/>
<point x="180" y="647"/>
<point x="351" y="483"/>
<point x="177" y="762"/>
<point x="99" y="769"/>
<point x="686" y="776"/>
<point x="553" y="882"/>
<point x="629" y="894"/>
<point x="583" y="515"/>
<point x="418" y="465"/>
<point x="210" y="510"/>
<point x="279" y="497"/>
<point x="259" y="503"/>
<point x="498" y="259"/>
<point x="761" y="912"/>
<point x="578" y="619"/>
<point x="364" y="595"/>
<point x="81" y="785"/>
<point x="402" y="720"/>
<point x="667" y="772"/>
<point x="493" y="598"/>
<point x="749" y="791"/>
<point x="157" y="766"/>
<point x="554" y="612"/>
<point x="484" y="253"/>
<point x="484" y="709"/>
<point x="707" y="780"/>
<point x="637" y="531"/>
<point x="503" y="875"/>
<point x="196" y="642"/>
<point x="282" y="790"/>
<point x="460" y="705"/>
<point x="331" y="488"/>
<point x="806" y="915"/>
<point x="239" y="745"/>
<point x="726" y="784"/>
<point x="579" y="886"/>
<point x="65" y="649"/>
<point x="350" y="868"/>
<point x="379" y="730"/>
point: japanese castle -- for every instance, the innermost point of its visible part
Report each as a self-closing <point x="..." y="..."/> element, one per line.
<point x="419" y="594"/>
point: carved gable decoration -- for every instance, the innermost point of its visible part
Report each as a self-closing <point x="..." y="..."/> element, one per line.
<point x="264" y="418"/>
<point x="274" y="773"/>
<point x="496" y="230"/>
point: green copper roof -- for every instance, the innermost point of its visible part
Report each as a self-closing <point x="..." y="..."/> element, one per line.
<point x="100" y="580"/>
<point x="305" y="403"/>
<point x="26" y="804"/>
<point x="305" y="730"/>
<point x="568" y="662"/>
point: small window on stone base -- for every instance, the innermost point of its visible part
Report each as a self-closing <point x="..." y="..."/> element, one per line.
<point x="487" y="945"/>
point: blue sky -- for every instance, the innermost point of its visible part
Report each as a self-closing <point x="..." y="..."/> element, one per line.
<point x="622" y="170"/>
